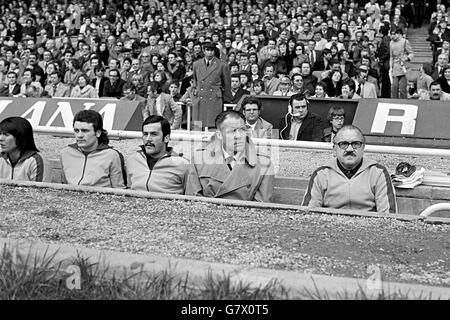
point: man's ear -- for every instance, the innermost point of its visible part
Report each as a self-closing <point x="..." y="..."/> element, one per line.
<point x="219" y="134"/>
<point x="98" y="133"/>
<point x="334" y="151"/>
<point x="167" y="138"/>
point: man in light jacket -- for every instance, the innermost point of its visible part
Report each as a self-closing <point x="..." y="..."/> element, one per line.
<point x="155" y="167"/>
<point x="351" y="182"/>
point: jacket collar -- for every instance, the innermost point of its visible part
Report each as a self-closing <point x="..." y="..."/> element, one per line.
<point x="100" y="147"/>
<point x="23" y="157"/>
<point x="366" y="163"/>
<point x="170" y="152"/>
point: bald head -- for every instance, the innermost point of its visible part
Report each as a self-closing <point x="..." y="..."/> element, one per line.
<point x="349" y="128"/>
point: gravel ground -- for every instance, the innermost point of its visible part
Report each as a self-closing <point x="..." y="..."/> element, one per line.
<point x="288" y="162"/>
<point x="290" y="240"/>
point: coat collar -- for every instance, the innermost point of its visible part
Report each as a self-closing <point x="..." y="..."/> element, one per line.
<point x="214" y="147"/>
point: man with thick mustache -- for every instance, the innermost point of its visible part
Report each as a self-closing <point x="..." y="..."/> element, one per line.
<point x="352" y="181"/>
<point x="155" y="167"/>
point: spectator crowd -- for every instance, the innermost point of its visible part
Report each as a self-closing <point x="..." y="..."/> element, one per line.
<point x="138" y="50"/>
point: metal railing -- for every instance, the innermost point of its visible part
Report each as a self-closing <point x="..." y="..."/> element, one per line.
<point x="435" y="208"/>
<point x="200" y="136"/>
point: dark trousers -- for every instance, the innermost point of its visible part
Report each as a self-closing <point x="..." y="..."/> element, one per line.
<point x="385" y="84"/>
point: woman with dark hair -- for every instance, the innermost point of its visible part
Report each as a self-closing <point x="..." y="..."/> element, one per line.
<point x="444" y="80"/>
<point x="133" y="30"/>
<point x="125" y="71"/>
<point x="255" y="72"/>
<point x="334" y="84"/>
<point x="103" y="53"/>
<point x="154" y="62"/>
<point x="334" y="52"/>
<point x="14" y="31"/>
<point x="84" y="89"/>
<point x="161" y="78"/>
<point x="161" y="66"/>
<point x="291" y="45"/>
<point x="19" y="157"/>
<point x="118" y="29"/>
<point x="91" y="161"/>
<point x="258" y="88"/>
<point x="300" y="55"/>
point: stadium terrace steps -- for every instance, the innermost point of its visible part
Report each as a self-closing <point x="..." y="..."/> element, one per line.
<point x="421" y="47"/>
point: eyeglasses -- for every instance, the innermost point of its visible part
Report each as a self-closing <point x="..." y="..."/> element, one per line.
<point x="344" y="144"/>
<point x="336" y="117"/>
<point x="251" y="110"/>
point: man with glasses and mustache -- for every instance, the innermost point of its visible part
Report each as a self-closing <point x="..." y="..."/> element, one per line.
<point x="351" y="181"/>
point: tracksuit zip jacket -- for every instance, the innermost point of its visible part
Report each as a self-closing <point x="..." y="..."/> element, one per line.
<point x="31" y="166"/>
<point x="103" y="167"/>
<point x="167" y="175"/>
<point x="370" y="189"/>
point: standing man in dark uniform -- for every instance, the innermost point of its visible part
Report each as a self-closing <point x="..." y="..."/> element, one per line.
<point x="212" y="86"/>
<point x="384" y="56"/>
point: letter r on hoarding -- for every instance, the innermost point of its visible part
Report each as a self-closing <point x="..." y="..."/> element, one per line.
<point x="382" y="117"/>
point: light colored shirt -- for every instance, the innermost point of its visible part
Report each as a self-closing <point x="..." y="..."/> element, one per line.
<point x="97" y="85"/>
<point x="226" y="155"/>
<point x="159" y="109"/>
<point x="295" y="126"/>
<point x="252" y="127"/>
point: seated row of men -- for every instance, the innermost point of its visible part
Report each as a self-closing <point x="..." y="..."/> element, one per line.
<point x="227" y="167"/>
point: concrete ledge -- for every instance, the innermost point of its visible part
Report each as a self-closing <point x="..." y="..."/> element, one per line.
<point x="290" y="191"/>
<point x="227" y="202"/>
<point x="299" y="284"/>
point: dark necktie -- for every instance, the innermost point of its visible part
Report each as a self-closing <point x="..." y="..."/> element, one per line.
<point x="207" y="63"/>
<point x="228" y="161"/>
<point x="360" y="88"/>
<point x="54" y="89"/>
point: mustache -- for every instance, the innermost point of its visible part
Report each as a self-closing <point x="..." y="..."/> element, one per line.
<point x="349" y="153"/>
<point x="149" y="144"/>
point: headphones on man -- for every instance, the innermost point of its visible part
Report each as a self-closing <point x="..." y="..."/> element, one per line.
<point x="290" y="109"/>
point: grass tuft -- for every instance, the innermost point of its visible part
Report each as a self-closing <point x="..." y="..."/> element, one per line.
<point x="27" y="277"/>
